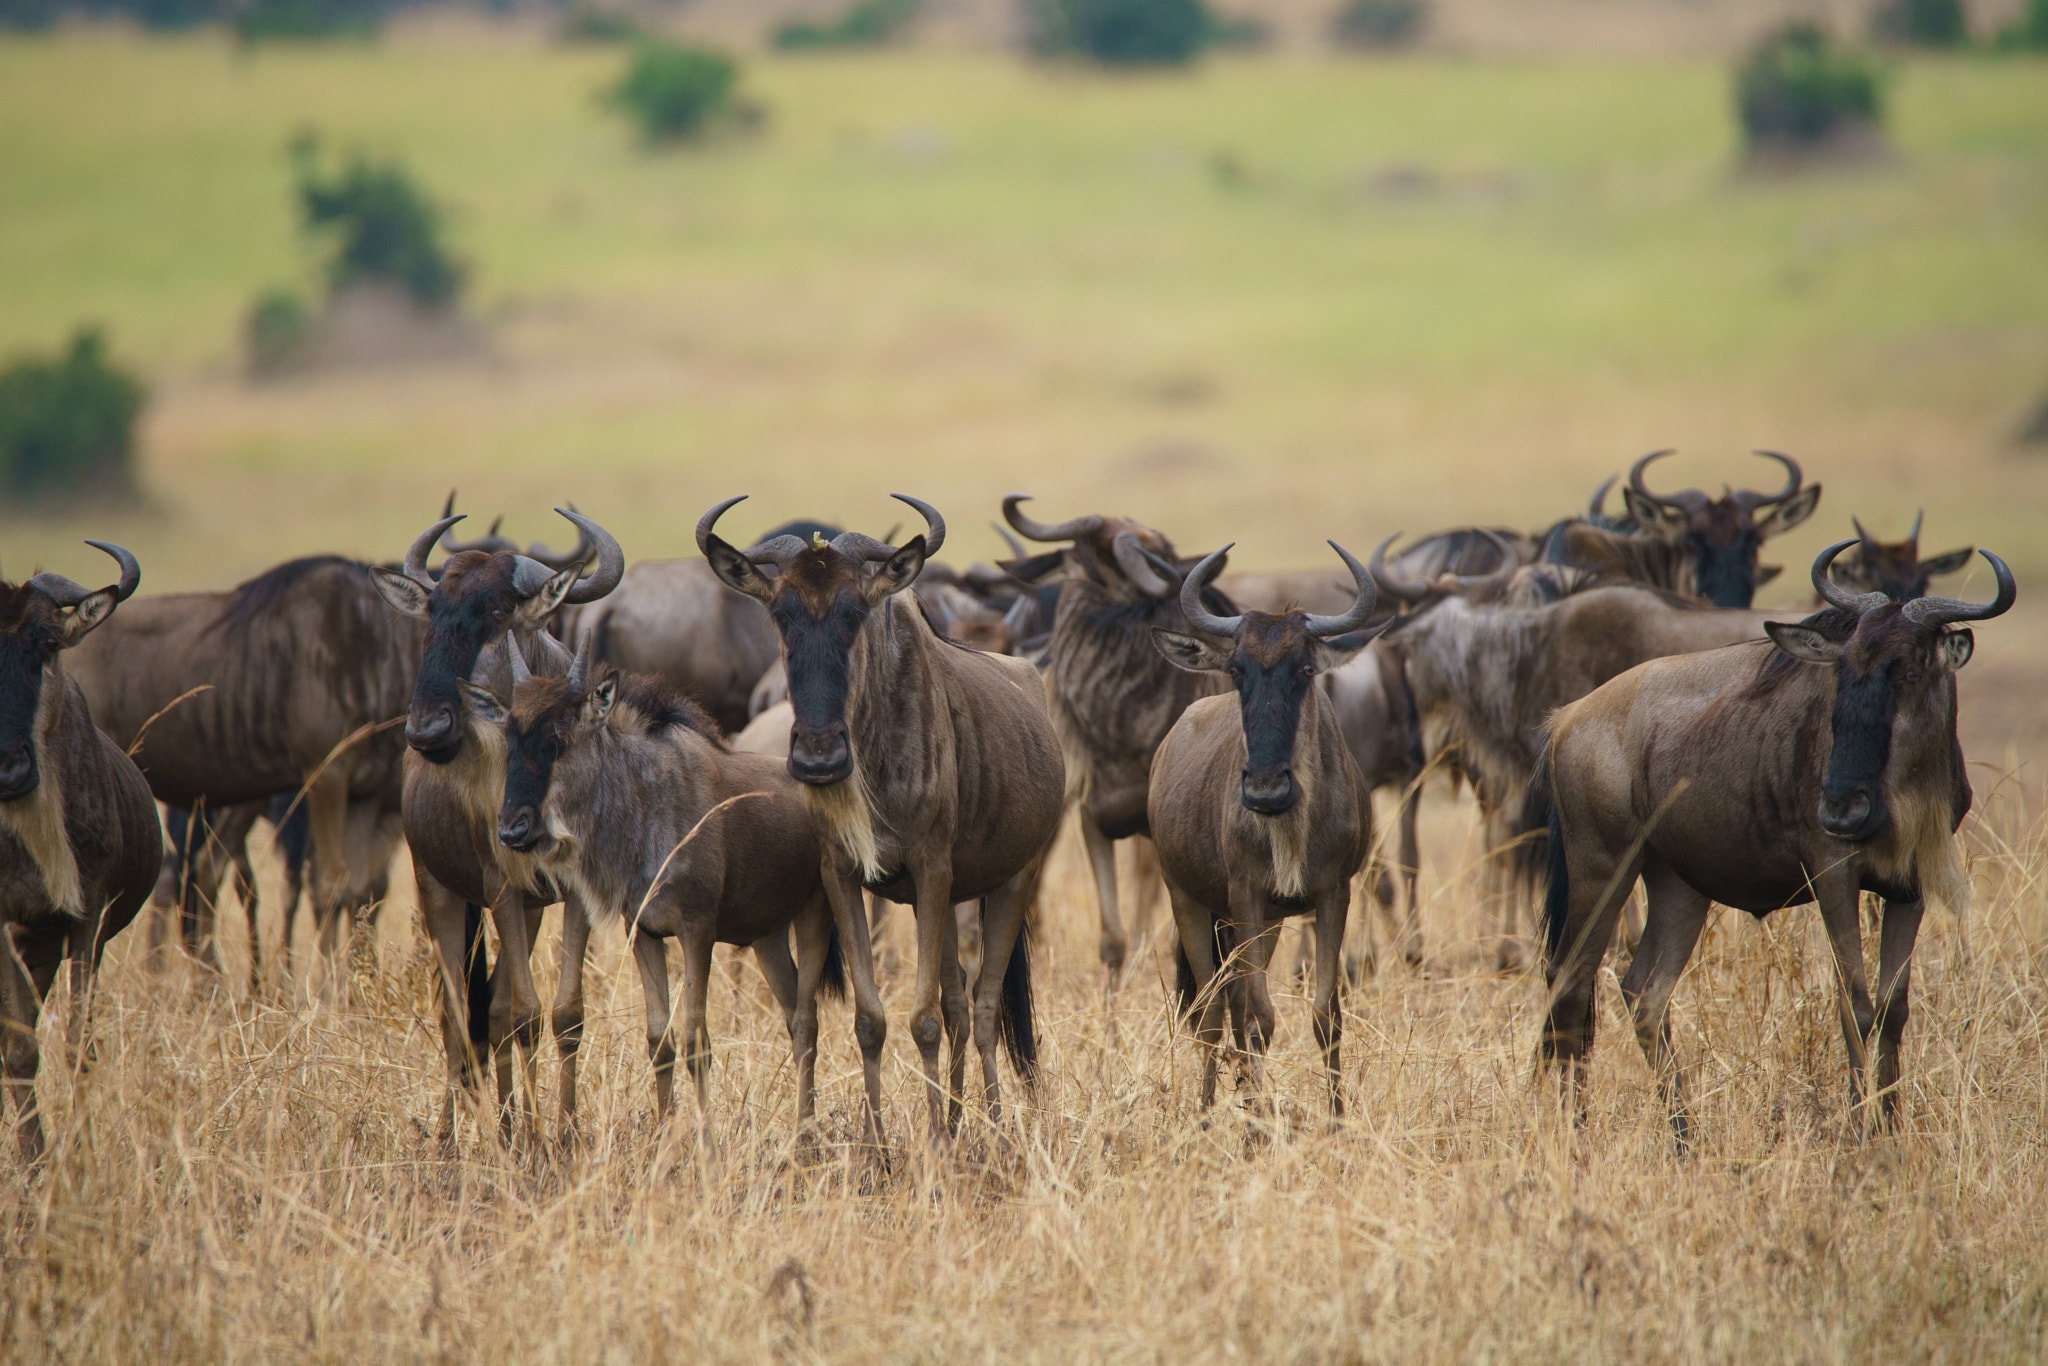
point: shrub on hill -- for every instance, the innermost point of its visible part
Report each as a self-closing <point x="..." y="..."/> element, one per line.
<point x="590" y="24"/>
<point x="67" y="424"/>
<point x="1795" y="90"/>
<point x="2028" y="32"/>
<point x="674" y="93"/>
<point x="870" y="23"/>
<point x="384" y="226"/>
<point x="308" y="20"/>
<point x="1921" y="23"/>
<point x="1123" y="32"/>
<point x="1379" y="23"/>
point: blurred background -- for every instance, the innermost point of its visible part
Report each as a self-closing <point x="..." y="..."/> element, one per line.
<point x="275" y="275"/>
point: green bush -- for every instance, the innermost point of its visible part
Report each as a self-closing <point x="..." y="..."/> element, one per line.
<point x="288" y="20"/>
<point x="1123" y="32"/>
<point x="29" y="16"/>
<point x="2028" y="32"/>
<point x="1795" y="89"/>
<point x="589" y="24"/>
<point x="1238" y="34"/>
<point x="274" y="330"/>
<point x="385" y="227"/>
<point x="1922" y="23"/>
<point x="870" y="23"/>
<point x="67" y="425"/>
<point x="1379" y="23"/>
<point x="675" y="92"/>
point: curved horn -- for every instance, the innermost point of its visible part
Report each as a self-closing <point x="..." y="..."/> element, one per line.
<point x="1130" y="557"/>
<point x="416" y="557"/>
<point x="1936" y="612"/>
<point x="1914" y="535"/>
<point x="935" y="525"/>
<point x="1409" y="591"/>
<point x="516" y="658"/>
<point x="1495" y="578"/>
<point x="710" y="519"/>
<point x="529" y="576"/>
<point x="559" y="560"/>
<point x="1685" y="500"/>
<point x="1595" y="510"/>
<point x="66" y="593"/>
<point x="1832" y="593"/>
<point x="1793" y="479"/>
<point x="1017" y="550"/>
<point x="611" y="561"/>
<point x="1361" y="607"/>
<point x="1191" y="596"/>
<point x="1044" y="531"/>
<point x="579" y="667"/>
<point x="490" y="543"/>
<point x="1869" y="541"/>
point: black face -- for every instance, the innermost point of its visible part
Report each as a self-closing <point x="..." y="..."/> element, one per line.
<point x="532" y="747"/>
<point x="23" y="654"/>
<point x="1273" y="667"/>
<point x="817" y="641"/>
<point x="1724" y="568"/>
<point x="471" y="607"/>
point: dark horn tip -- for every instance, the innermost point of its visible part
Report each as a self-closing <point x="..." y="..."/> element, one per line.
<point x="131" y="569"/>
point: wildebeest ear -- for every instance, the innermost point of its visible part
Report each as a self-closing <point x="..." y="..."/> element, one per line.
<point x="1947" y="564"/>
<point x="1766" y="572"/>
<point x="483" y="704"/>
<point x="92" y="609"/>
<point x="1337" y="650"/>
<point x="1189" y="652"/>
<point x="1660" y="519"/>
<point x="1790" y="513"/>
<point x="1803" y="642"/>
<point x="402" y="593"/>
<point x="897" y="572"/>
<point x="736" y="571"/>
<point x="542" y="605"/>
<point x="1956" y="648"/>
<point x="597" y="703"/>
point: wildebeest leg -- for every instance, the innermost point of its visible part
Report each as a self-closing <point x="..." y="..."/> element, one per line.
<point x="934" y="910"/>
<point x="1102" y="860"/>
<point x="442" y="915"/>
<point x="813" y="931"/>
<point x="1003" y="913"/>
<point x="1147" y="883"/>
<point x="870" y="1023"/>
<point x="1411" y="873"/>
<point x="1329" y="1020"/>
<point x="327" y="810"/>
<point x="1672" y="929"/>
<point x="294" y="892"/>
<point x="1200" y="992"/>
<point x="1259" y="939"/>
<point x="953" y="1005"/>
<point x="167" y="900"/>
<point x="778" y="969"/>
<point x="20" y="1053"/>
<point x="516" y="1015"/>
<point x="1894" y="981"/>
<point x="1599" y="881"/>
<point x="697" y="941"/>
<point x="566" y="1019"/>
<point x="1840" y="913"/>
<point x="652" y="961"/>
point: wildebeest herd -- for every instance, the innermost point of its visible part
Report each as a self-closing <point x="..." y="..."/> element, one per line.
<point x="747" y="748"/>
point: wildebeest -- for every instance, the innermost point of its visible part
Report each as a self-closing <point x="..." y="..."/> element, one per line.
<point x="1811" y="768"/>
<point x="933" y="773"/>
<point x="79" y="839"/>
<point x="675" y="620"/>
<point x="1258" y="808"/>
<point x="1690" y="543"/>
<point x="1486" y="670"/>
<point x="1113" y="697"/>
<point x="624" y="789"/>
<point x="287" y="682"/>
<point x="454" y="786"/>
<point x="1376" y="714"/>
<point x="1894" y="568"/>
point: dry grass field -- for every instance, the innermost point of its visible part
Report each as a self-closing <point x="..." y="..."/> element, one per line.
<point x="1270" y="301"/>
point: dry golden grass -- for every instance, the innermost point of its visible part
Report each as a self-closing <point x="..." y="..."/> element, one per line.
<point x="249" y="1181"/>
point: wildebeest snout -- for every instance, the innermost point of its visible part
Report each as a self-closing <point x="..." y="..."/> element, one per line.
<point x="1271" y="793"/>
<point x="820" y="755"/>
<point x="431" y="731"/>
<point x="18" y="776"/>
<point x="519" y="829"/>
<point x="1852" y="813"/>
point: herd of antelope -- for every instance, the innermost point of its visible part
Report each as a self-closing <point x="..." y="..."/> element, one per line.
<point x="744" y="748"/>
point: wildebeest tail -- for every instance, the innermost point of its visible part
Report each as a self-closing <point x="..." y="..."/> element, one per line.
<point x="293" y="817"/>
<point x="832" y="979"/>
<point x="1529" y="858"/>
<point x="1014" y="1023"/>
<point x="1184" y="985"/>
<point x="476" y="961"/>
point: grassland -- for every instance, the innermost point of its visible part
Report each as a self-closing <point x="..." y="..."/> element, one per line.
<point x="1268" y="301"/>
